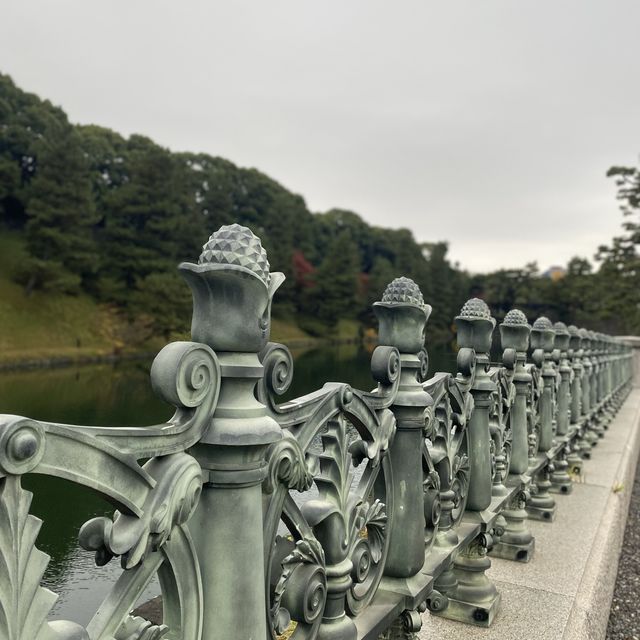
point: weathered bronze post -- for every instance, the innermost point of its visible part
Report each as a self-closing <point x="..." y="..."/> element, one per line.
<point x="475" y="327"/>
<point x="606" y="380"/>
<point x="595" y="388"/>
<point x="517" y="543"/>
<point x="475" y="598"/>
<point x="514" y="334"/>
<point x="542" y="506"/>
<point x="560" y="479"/>
<point x="575" y="458"/>
<point x="589" y="437"/>
<point x="403" y="315"/>
<point x="562" y="344"/>
<point x="543" y="338"/>
<point x="232" y="291"/>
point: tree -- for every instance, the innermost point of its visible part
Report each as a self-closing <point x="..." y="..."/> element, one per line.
<point x="109" y="215"/>
<point x="61" y="215"/>
<point x="619" y="273"/>
<point x="579" y="267"/>
<point x="166" y="298"/>
<point x="336" y="282"/>
<point x="147" y="221"/>
<point x="628" y="182"/>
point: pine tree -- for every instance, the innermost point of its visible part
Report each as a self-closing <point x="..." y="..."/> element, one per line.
<point x="147" y="221"/>
<point x="61" y="214"/>
<point x="336" y="282"/>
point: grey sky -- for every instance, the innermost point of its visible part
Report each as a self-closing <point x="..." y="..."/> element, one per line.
<point x="486" y="123"/>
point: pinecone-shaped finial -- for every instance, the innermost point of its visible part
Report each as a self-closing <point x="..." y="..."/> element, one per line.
<point x="403" y="291"/>
<point x="475" y="308"/>
<point x="561" y="328"/>
<point x="234" y="244"/>
<point x="515" y="317"/>
<point x="542" y="324"/>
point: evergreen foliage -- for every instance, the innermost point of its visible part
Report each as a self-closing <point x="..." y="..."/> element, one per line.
<point x="112" y="217"/>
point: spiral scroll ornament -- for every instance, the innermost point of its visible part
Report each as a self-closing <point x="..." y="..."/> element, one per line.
<point x="288" y="464"/>
<point x="367" y="551"/>
<point x="385" y="365"/>
<point x="278" y="368"/>
<point x="185" y="373"/>
<point x="301" y="592"/>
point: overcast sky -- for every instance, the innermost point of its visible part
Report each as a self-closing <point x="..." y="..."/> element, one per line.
<point x="487" y="123"/>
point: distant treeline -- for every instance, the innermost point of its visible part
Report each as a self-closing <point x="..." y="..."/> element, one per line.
<point x="113" y="216"/>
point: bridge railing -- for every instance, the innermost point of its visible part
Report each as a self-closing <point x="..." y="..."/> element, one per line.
<point x="343" y="513"/>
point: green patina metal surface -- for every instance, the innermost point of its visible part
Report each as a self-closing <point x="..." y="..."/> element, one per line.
<point x="341" y="514"/>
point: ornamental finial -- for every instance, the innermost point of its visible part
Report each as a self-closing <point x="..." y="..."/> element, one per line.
<point x="402" y="315"/>
<point x="515" y="331"/>
<point x="232" y="289"/>
<point x="543" y="334"/>
<point x="475" y="326"/>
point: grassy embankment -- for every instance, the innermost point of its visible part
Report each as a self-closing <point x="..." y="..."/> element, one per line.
<point x="49" y="328"/>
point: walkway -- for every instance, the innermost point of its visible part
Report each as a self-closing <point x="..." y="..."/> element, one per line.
<point x="565" y="591"/>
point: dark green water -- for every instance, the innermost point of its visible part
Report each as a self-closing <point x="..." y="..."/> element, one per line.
<point x="120" y="395"/>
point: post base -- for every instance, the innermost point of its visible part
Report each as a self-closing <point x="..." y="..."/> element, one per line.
<point x="565" y="487"/>
<point x="475" y="599"/>
<point x="342" y="629"/>
<point x="560" y="478"/>
<point x="585" y="449"/>
<point x="514" y="552"/>
<point x="481" y="615"/>
<point x="544" y="514"/>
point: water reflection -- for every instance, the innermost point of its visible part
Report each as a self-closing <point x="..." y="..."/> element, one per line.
<point x="121" y="395"/>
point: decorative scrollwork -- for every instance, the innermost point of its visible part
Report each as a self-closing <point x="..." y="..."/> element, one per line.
<point x="301" y="591"/>
<point x="171" y="503"/>
<point x="501" y="401"/>
<point x="533" y="405"/>
<point x="373" y="450"/>
<point x="424" y="365"/>
<point x="447" y="445"/>
<point x="460" y="485"/>
<point x="184" y="373"/>
<point x="466" y="363"/>
<point x="385" y="365"/>
<point x="366" y="553"/>
<point x="432" y="505"/>
<point x="278" y="371"/>
<point x="288" y="464"/>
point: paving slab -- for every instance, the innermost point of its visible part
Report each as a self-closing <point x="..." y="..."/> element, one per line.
<point x="562" y="547"/>
<point x="522" y="610"/>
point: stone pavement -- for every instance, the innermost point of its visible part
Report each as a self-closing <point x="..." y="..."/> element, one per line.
<point x="565" y="591"/>
<point x="624" y="619"/>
